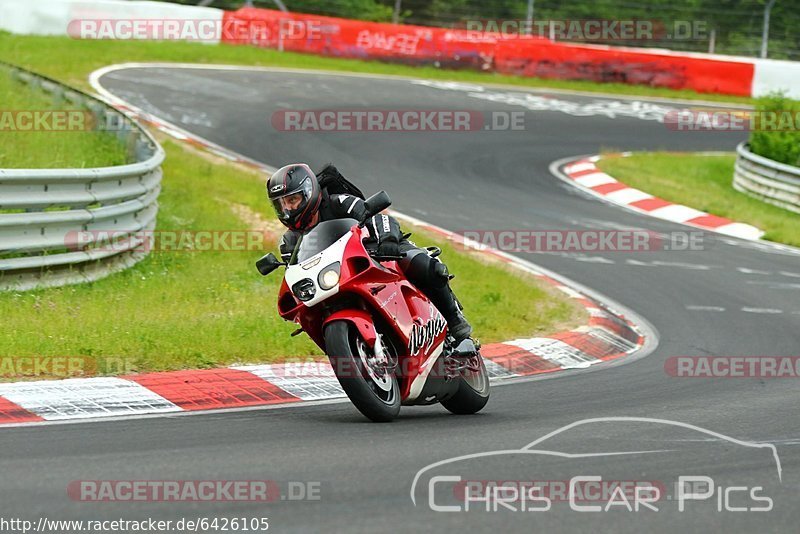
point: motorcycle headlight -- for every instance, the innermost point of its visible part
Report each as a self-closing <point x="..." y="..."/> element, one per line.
<point x="329" y="276"/>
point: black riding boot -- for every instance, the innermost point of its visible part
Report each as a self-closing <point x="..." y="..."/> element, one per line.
<point x="444" y="300"/>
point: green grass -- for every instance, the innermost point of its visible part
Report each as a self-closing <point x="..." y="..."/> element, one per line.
<point x="706" y="183"/>
<point x="50" y="149"/>
<point x="72" y="60"/>
<point x="178" y="310"/>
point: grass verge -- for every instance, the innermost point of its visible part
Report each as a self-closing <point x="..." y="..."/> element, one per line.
<point x="703" y="182"/>
<point x="26" y="149"/>
<point x="191" y="309"/>
<point x="71" y="60"/>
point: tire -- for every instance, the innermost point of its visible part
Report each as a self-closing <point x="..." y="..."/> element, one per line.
<point x="378" y="400"/>
<point x="473" y="391"/>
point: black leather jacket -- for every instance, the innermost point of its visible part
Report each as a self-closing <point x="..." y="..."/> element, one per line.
<point x="381" y="227"/>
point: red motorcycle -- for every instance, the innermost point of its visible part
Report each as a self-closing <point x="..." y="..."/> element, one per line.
<point x="387" y="343"/>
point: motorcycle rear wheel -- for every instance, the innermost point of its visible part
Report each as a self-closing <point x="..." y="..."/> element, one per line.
<point x="473" y="390"/>
<point x="374" y="393"/>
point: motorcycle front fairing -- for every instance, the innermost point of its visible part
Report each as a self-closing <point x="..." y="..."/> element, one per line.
<point x="364" y="287"/>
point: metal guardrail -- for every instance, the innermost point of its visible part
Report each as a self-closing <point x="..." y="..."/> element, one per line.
<point x="42" y="211"/>
<point x="767" y="180"/>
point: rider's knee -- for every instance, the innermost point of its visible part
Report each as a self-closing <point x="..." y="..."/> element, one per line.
<point x="424" y="271"/>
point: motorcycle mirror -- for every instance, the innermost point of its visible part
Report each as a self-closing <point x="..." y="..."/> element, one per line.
<point x="376" y="204"/>
<point x="268" y="263"/>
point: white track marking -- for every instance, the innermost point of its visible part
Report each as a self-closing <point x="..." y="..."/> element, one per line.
<point x="595" y="179"/>
<point x="594" y="259"/>
<point x="307" y="381"/>
<point x="556" y="351"/>
<point x="77" y="398"/>
<point x="745" y="270"/>
<point x="773" y="285"/>
<point x="678" y="264"/>
<point x="628" y="196"/>
<point x="677" y="213"/>
<point x="741" y="230"/>
<point x="578" y="167"/>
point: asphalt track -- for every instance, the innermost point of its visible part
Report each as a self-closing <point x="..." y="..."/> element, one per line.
<point x="711" y="302"/>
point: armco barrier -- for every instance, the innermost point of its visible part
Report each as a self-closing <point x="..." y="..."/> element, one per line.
<point x="38" y="245"/>
<point x="768" y="180"/>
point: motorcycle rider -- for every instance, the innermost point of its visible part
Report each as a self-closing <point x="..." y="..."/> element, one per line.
<point x="301" y="203"/>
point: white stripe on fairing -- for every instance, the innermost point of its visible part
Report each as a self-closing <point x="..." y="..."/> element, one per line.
<point x="351" y="205"/>
<point x="578" y="167"/>
<point x="556" y="351"/>
<point x="744" y="231"/>
<point x="418" y="383"/>
<point x="628" y="195"/>
<point x="85" y="397"/>
<point x="676" y="213"/>
<point x="304" y="380"/>
<point x="595" y="179"/>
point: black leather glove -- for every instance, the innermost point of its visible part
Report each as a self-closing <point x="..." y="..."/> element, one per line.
<point x="389" y="246"/>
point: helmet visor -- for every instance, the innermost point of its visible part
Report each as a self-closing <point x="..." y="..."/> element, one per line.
<point x="291" y="204"/>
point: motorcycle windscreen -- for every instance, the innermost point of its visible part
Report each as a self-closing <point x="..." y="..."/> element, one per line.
<point x="319" y="238"/>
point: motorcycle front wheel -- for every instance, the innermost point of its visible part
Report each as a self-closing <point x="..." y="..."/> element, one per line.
<point x="372" y="388"/>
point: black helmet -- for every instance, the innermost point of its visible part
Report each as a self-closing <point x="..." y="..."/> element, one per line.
<point x="295" y="194"/>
